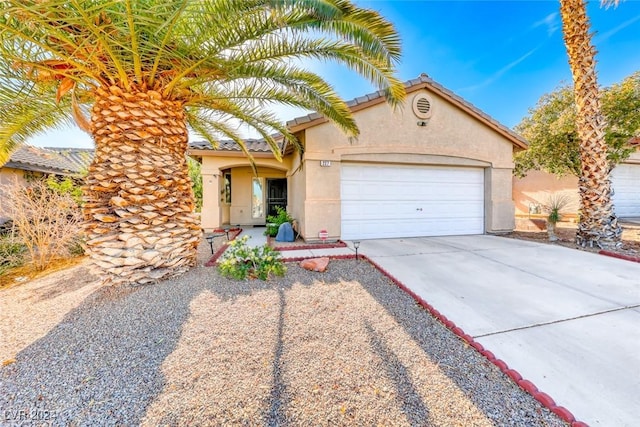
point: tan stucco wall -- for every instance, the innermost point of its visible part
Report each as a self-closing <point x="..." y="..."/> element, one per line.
<point x="451" y="137"/>
<point x="535" y="189"/>
<point x="8" y="176"/>
<point x="297" y="191"/>
<point x="213" y="164"/>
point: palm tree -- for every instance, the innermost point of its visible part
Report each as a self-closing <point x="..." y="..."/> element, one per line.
<point x="148" y="69"/>
<point x="598" y="223"/>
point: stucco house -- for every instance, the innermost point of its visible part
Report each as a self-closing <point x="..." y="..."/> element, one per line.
<point x="437" y="166"/>
<point x="28" y="161"/>
<point x="532" y="192"/>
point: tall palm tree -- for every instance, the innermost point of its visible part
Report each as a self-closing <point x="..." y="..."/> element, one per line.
<point x="598" y="223"/>
<point x="147" y="69"/>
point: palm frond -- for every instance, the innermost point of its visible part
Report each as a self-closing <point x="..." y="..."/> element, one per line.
<point x="211" y="129"/>
<point x="200" y="53"/>
<point x="27" y="112"/>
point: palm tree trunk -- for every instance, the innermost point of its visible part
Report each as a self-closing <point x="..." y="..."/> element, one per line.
<point x="139" y="205"/>
<point x="598" y="223"/>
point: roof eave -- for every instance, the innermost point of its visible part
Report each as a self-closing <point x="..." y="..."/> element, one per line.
<point x="37" y="168"/>
<point x="229" y="153"/>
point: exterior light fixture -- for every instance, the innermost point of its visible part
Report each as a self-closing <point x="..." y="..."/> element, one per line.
<point x="356" y="245"/>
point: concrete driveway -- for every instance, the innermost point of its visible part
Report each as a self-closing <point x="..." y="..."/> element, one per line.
<point x="567" y="320"/>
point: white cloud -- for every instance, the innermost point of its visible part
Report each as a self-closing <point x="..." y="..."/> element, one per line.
<point x="495" y="76"/>
<point x="551" y="22"/>
<point x="599" y="38"/>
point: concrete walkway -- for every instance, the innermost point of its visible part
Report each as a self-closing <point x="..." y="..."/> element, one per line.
<point x="567" y="320"/>
<point x="258" y="239"/>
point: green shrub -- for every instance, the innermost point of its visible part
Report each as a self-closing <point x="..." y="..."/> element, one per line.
<point x="12" y="253"/>
<point x="76" y="246"/>
<point x="195" y="173"/>
<point x="556" y="202"/>
<point x="66" y="185"/>
<point x="241" y="261"/>
<point x="275" y="221"/>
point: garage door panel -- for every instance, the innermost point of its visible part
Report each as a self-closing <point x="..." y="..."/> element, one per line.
<point x="625" y="179"/>
<point x="407" y="210"/>
<point x="444" y="191"/>
<point x="405" y="201"/>
<point x="406" y="228"/>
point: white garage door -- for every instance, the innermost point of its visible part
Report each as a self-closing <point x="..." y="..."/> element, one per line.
<point x="625" y="179"/>
<point x="381" y="201"/>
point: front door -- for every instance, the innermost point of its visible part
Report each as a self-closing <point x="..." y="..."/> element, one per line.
<point x="276" y="195"/>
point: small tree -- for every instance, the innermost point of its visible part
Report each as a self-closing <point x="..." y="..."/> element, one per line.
<point x="47" y="221"/>
<point x="550" y="129"/>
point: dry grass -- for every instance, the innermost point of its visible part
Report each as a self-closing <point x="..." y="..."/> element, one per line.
<point x="28" y="272"/>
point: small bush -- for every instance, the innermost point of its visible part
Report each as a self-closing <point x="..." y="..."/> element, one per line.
<point x="65" y="186"/>
<point x="277" y="220"/>
<point x="556" y="202"/>
<point x="241" y="261"/>
<point x="12" y="253"/>
<point x="46" y="219"/>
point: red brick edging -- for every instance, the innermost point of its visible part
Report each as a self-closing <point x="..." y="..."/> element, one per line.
<point x="515" y="376"/>
<point x="232" y="235"/>
<point x="620" y="256"/>
<point x="338" y="244"/>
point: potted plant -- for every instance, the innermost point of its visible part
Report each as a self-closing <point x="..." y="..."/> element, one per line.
<point x="274" y="221"/>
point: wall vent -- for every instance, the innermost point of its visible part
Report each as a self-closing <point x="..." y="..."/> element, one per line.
<point x="422" y="106"/>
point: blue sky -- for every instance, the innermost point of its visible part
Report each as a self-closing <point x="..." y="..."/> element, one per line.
<point x="501" y="56"/>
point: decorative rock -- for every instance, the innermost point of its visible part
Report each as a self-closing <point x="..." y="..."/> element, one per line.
<point x="315" y="264"/>
<point x="285" y="233"/>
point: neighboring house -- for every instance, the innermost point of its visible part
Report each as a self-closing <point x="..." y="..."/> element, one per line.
<point x="532" y="192"/>
<point x="437" y="166"/>
<point x="28" y="161"/>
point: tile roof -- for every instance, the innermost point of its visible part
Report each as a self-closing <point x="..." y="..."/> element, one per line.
<point x="60" y="161"/>
<point x="253" y="145"/>
<point x="80" y="158"/>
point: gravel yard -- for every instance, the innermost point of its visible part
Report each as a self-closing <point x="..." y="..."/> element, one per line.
<point x="341" y="348"/>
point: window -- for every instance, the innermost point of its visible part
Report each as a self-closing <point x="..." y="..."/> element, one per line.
<point x="257" y="199"/>
<point x="227" y="187"/>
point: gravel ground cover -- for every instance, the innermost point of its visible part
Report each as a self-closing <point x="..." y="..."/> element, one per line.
<point x="29" y="311"/>
<point x="566" y="233"/>
<point x="345" y="347"/>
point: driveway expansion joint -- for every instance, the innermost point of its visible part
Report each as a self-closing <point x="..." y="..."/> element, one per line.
<point x="553" y="322"/>
<point x="412" y="254"/>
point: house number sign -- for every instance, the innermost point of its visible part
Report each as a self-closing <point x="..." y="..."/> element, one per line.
<point x="325" y="163"/>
